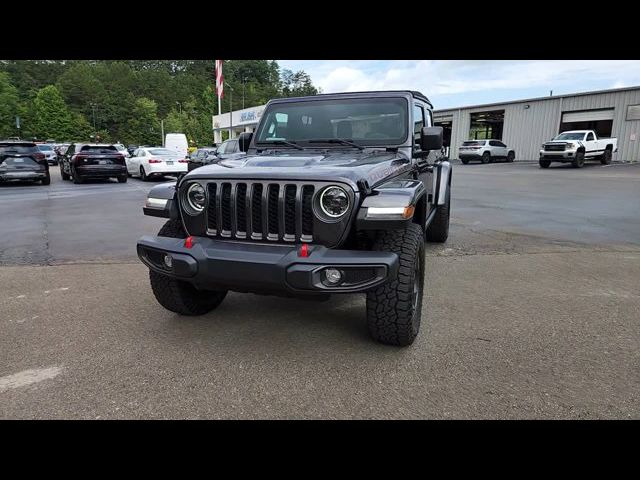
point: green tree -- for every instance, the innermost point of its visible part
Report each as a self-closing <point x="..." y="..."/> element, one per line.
<point x="143" y="127"/>
<point x="52" y="116"/>
<point x="8" y="106"/>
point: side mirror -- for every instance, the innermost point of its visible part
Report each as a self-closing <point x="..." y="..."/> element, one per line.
<point x="431" y="138"/>
<point x="244" y="140"/>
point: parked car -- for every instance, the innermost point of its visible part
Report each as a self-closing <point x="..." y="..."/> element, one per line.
<point x="49" y="153"/>
<point x="202" y="156"/>
<point x="22" y="160"/>
<point x="177" y="142"/>
<point x="341" y="205"/>
<point x="485" y="151"/>
<point x="82" y="161"/>
<point x="122" y="149"/>
<point x="576" y="146"/>
<point x="154" y="162"/>
<point x="132" y="148"/>
<point x="229" y="149"/>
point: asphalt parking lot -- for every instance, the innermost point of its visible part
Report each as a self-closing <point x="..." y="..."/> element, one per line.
<point x="530" y="311"/>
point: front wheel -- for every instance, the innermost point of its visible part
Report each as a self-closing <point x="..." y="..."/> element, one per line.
<point x="606" y="158"/>
<point x="179" y="296"/>
<point x="544" y="163"/>
<point x="578" y="161"/>
<point x="65" y="176"/>
<point x="511" y="156"/>
<point x="394" y="309"/>
<point x="465" y="161"/>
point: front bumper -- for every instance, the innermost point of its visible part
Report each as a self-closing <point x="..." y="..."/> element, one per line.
<point x="561" y="156"/>
<point x="243" y="267"/>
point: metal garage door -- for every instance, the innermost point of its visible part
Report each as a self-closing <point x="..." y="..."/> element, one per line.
<point x="587" y="116"/>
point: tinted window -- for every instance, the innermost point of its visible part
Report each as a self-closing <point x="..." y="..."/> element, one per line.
<point x="232" y="147"/>
<point x="590" y="136"/>
<point x="48" y="148"/>
<point x="570" y="136"/>
<point x="368" y="121"/>
<point x="477" y="143"/>
<point x="500" y="144"/>
<point x="17" y="148"/>
<point x="96" y="149"/>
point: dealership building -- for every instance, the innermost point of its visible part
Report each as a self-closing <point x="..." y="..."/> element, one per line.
<point x="523" y="124"/>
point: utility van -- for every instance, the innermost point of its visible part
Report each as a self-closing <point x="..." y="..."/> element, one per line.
<point x="177" y="142"/>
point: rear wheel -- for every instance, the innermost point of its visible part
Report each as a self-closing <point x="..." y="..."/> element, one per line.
<point x="578" y="161"/>
<point x="46" y="180"/>
<point x="511" y="156"/>
<point x="486" y="157"/>
<point x="544" y="163"/>
<point x="606" y="157"/>
<point x="394" y="309"/>
<point x="123" y="178"/>
<point x="65" y="176"/>
<point x="143" y="174"/>
<point x="179" y="296"/>
<point x="77" y="179"/>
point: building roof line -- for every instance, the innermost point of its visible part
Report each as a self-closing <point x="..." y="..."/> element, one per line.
<point x="537" y="99"/>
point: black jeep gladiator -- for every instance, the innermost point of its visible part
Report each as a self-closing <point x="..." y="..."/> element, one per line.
<point x="337" y="194"/>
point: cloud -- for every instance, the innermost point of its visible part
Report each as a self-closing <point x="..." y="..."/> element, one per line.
<point x="454" y="78"/>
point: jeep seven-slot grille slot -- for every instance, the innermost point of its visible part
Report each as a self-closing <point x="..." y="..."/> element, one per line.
<point x="275" y="211"/>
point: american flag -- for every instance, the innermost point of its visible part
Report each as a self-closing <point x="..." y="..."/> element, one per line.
<point x="219" y="79"/>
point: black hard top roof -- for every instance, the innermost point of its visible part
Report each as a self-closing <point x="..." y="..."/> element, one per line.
<point x="372" y="93"/>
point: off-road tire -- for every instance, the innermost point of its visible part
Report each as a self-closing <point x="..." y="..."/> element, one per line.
<point x="578" y="161"/>
<point x="544" y="163"/>
<point x="486" y="157"/>
<point x="394" y="309"/>
<point x="179" y="296"/>
<point x="606" y="157"/>
<point x="438" y="229"/>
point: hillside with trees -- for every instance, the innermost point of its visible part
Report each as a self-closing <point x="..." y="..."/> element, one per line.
<point x="125" y="101"/>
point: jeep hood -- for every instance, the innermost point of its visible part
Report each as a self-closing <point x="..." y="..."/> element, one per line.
<point x="372" y="166"/>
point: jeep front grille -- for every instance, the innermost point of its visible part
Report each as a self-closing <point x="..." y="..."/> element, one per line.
<point x="276" y="211"/>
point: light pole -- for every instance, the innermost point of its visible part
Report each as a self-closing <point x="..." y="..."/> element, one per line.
<point x="230" y="111"/>
<point x="93" y="107"/>
<point x="244" y="79"/>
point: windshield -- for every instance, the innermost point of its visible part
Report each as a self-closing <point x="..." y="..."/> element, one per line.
<point x="45" y="147"/>
<point x="570" y="136"/>
<point x="162" y="151"/>
<point x="367" y="122"/>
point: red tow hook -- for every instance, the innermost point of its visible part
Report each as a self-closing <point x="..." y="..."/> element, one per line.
<point x="304" y="251"/>
<point x="188" y="242"/>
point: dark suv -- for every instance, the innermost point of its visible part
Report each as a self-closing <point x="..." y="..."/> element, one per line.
<point x="93" y="160"/>
<point x="20" y="160"/>
<point x="336" y="194"/>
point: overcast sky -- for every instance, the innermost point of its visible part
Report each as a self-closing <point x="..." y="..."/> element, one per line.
<point x="457" y="83"/>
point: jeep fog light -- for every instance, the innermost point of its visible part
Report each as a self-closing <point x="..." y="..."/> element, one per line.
<point x="168" y="261"/>
<point x="332" y="276"/>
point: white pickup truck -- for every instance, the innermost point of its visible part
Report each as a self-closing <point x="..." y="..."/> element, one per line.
<point x="576" y="146"/>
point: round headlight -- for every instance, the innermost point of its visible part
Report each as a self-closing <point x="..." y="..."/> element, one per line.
<point x="196" y="197"/>
<point x="334" y="201"/>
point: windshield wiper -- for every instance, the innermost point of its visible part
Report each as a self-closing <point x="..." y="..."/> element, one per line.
<point x="342" y="141"/>
<point x="281" y="142"/>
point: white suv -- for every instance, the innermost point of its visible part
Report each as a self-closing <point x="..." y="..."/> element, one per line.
<point x="485" y="151"/>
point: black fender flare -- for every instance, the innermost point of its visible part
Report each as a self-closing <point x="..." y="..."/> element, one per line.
<point x="387" y="206"/>
<point x="161" y="201"/>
